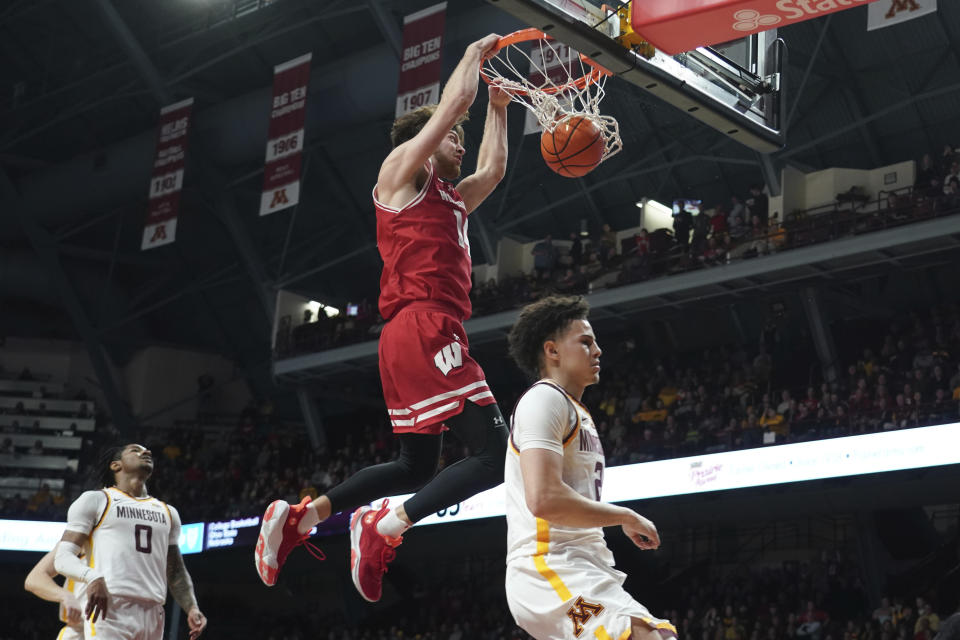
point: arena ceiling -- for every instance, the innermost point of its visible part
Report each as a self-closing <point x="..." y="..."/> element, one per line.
<point x="81" y="84"/>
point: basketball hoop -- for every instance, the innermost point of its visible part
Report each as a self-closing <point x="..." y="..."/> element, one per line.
<point x="557" y="85"/>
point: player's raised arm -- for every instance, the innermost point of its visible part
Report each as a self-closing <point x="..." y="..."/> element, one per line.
<point x="179" y="581"/>
<point x="40" y="583"/>
<point x="492" y="157"/>
<point x="402" y="165"/>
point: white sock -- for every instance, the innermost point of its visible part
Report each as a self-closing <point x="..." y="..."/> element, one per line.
<point x="309" y="521"/>
<point x="391" y="525"/>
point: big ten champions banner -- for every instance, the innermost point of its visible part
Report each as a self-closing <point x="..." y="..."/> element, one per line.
<point x="281" y="173"/>
<point x="166" y="181"/>
<point x="554" y="62"/>
<point x="420" y="63"/>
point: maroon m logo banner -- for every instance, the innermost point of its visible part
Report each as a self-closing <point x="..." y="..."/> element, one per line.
<point x="159" y="233"/>
<point x="901" y="5"/>
<point x="279" y="197"/>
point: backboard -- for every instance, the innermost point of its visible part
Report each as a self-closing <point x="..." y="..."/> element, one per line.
<point x="736" y="88"/>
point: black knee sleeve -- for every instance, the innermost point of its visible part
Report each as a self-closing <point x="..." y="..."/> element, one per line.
<point x="419" y="457"/>
<point x="484" y="432"/>
<point x="414" y="467"/>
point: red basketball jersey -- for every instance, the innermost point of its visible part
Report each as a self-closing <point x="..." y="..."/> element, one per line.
<point x="425" y="250"/>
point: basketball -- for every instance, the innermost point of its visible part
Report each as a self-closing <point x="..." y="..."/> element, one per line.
<point x="574" y="148"/>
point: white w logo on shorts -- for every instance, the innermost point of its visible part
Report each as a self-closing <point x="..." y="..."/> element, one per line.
<point x="450" y="357"/>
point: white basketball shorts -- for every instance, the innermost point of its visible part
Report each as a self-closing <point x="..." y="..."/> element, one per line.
<point x="128" y="619"/>
<point x="570" y="596"/>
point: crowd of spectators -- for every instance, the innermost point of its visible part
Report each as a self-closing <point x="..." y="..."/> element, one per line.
<point x="902" y="374"/>
<point x="741" y="229"/>
<point x="646" y="408"/>
<point x="256" y="461"/>
<point x="731" y="397"/>
<point x="938" y="175"/>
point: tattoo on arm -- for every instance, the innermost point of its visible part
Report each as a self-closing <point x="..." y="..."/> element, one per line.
<point x="178" y="580"/>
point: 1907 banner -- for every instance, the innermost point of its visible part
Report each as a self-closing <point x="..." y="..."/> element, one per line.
<point x="420" y="64"/>
<point x="166" y="181"/>
<point x="281" y="175"/>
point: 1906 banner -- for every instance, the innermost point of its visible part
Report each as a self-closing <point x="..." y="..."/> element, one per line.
<point x="166" y="181"/>
<point x="420" y="65"/>
<point x="281" y="175"/>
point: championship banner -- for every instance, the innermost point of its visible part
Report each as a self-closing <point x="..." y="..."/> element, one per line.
<point x="281" y="173"/>
<point x="675" y="27"/>
<point x="420" y="66"/>
<point x="556" y="63"/>
<point x="166" y="181"/>
<point x="884" y="13"/>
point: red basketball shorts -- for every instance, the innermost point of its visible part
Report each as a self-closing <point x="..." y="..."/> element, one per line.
<point x="427" y="372"/>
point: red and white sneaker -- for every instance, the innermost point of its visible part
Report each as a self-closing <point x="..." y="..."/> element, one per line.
<point x="370" y="551"/>
<point x="278" y="537"/>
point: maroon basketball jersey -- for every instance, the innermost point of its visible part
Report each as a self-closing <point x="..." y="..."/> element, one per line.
<point x="425" y="250"/>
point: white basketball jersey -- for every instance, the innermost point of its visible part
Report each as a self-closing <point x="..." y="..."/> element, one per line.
<point x="129" y="546"/>
<point x="547" y="417"/>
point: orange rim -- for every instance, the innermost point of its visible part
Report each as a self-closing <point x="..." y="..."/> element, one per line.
<point x="527" y="35"/>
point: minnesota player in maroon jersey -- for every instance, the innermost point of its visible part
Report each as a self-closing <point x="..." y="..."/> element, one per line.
<point x="430" y="382"/>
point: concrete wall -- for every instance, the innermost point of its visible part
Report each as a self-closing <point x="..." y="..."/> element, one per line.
<point x="820" y="188"/>
<point x="892" y="177"/>
<point x="154" y="379"/>
<point x="43" y="357"/>
<point x="485" y="272"/>
<point x="655" y="215"/>
<point x="61" y="360"/>
<point x="163" y="380"/>
<point x="509" y="257"/>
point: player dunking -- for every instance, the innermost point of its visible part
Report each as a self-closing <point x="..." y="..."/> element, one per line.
<point x="560" y="578"/>
<point x="430" y="382"/>
<point x="40" y="582"/>
<point x="131" y="554"/>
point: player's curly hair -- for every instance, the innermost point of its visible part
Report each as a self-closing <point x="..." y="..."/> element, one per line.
<point x="103" y="475"/>
<point x="409" y="124"/>
<point x="543" y="320"/>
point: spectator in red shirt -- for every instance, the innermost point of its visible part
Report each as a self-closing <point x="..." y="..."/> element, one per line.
<point x="638" y="258"/>
<point x="718" y="221"/>
<point x="642" y="244"/>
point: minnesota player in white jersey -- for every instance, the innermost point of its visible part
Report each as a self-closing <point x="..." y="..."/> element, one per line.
<point x="560" y="581"/>
<point x="131" y="555"/>
<point x="40" y="582"/>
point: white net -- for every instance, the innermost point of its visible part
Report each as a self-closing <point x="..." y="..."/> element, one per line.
<point x="558" y="84"/>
